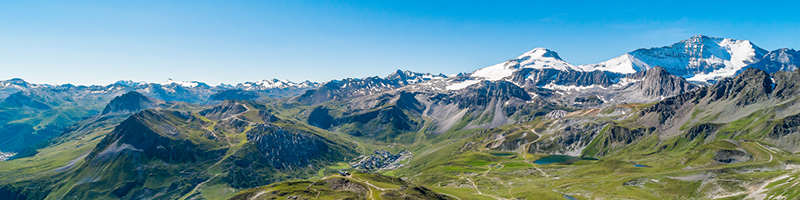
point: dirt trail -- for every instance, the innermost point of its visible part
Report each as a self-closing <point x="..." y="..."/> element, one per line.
<point x="526" y="145"/>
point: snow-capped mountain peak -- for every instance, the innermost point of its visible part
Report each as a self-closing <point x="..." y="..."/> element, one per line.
<point x="274" y="83"/>
<point x="702" y="58"/>
<point x="538" y="58"/>
<point x="540" y="52"/>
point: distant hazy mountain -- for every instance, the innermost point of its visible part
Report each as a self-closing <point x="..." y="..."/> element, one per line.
<point x="185" y="91"/>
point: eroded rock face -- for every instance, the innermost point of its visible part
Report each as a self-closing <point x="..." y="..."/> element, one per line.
<point x="750" y="87"/>
<point x="571" y="141"/>
<point x="786" y="133"/>
<point x="786" y="84"/>
<point x="556" y="114"/>
<point x="283" y="148"/>
<point x="788" y="125"/>
<point x="483" y="93"/>
<point x="624" y="135"/>
<point x="275" y="154"/>
<point x="657" y="82"/>
<point x="732" y="156"/>
<point x="542" y="77"/>
<point x="341" y="184"/>
<point x="701" y="131"/>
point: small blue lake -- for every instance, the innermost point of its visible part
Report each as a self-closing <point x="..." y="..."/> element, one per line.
<point x="570" y="197"/>
<point x="504" y="154"/>
<point x="561" y="159"/>
<point x="641" y="165"/>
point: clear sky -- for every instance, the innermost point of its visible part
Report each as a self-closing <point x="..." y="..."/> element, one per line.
<point x="100" y="42"/>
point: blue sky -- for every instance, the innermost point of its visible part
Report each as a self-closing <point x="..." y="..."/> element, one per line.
<point x="100" y="42"/>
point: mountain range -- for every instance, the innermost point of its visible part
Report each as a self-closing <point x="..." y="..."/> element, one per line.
<point x="703" y="118"/>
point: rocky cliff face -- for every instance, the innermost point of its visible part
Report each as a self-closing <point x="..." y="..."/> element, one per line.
<point x="652" y="85"/>
<point x="658" y="83"/>
<point x="482" y="94"/>
<point x="276" y="153"/>
<point x="284" y="149"/>
<point x="749" y="87"/>
<point x="786" y="133"/>
<point x="543" y="77"/>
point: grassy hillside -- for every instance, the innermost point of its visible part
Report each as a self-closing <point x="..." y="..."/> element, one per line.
<point x="174" y="154"/>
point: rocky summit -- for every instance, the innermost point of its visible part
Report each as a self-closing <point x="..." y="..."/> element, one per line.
<point x="702" y="118"/>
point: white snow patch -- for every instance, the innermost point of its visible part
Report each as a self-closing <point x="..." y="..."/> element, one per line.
<point x="553" y="86"/>
<point x="627" y="81"/>
<point x="625" y="64"/>
<point x="182" y="83"/>
<point x="494" y="72"/>
<point x="462" y="85"/>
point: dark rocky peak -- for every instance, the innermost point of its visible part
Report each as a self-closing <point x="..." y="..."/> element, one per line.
<point x="23" y="100"/>
<point x="578" y="78"/>
<point x="657" y="82"/>
<point x="400" y="75"/>
<point x="750" y="86"/>
<point x="787" y="85"/>
<point x="779" y="60"/>
<point x="542" y="77"/>
<point x="481" y="94"/>
<point x="224" y="110"/>
<point x="408" y="101"/>
<point x="130" y="102"/>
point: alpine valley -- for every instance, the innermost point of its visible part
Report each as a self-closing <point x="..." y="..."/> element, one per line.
<point x="704" y="118"/>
